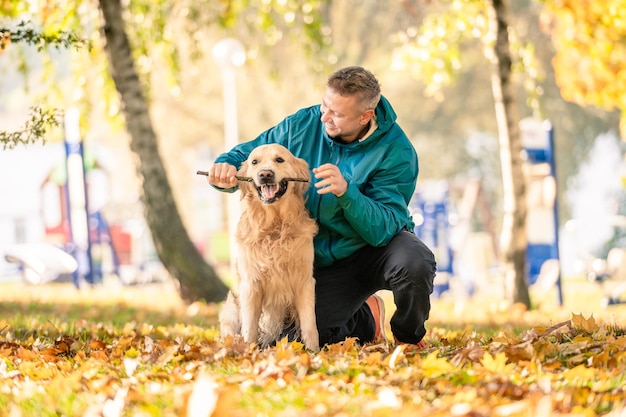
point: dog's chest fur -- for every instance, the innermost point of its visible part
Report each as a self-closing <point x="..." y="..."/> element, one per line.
<point x="274" y="249"/>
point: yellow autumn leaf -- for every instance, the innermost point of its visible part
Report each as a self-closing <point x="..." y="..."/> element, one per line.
<point x="228" y="403"/>
<point x="579" y="375"/>
<point x="587" y="325"/>
<point x="619" y="341"/>
<point x="576" y="360"/>
<point x="131" y="353"/>
<point x="286" y="349"/>
<point x="497" y="363"/>
<point x="433" y="367"/>
<point x="99" y="354"/>
<point x="342" y="347"/>
<point x="95" y="344"/>
<point x="601" y="360"/>
<point x="26" y="354"/>
<point x="373" y="359"/>
<point x="36" y="370"/>
<point x="4" y="325"/>
<point x="582" y="339"/>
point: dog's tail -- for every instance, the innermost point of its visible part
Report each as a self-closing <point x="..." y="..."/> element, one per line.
<point x="230" y="319"/>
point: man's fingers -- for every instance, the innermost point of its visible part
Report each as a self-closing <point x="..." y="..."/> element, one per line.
<point x="222" y="175"/>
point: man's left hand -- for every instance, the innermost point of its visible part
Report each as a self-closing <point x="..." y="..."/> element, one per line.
<point x="330" y="180"/>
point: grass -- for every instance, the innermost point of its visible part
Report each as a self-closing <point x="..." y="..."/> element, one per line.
<point x="140" y="351"/>
<point x="114" y="304"/>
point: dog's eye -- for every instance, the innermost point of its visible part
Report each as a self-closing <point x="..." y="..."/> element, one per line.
<point x="280" y="160"/>
<point x="254" y="162"/>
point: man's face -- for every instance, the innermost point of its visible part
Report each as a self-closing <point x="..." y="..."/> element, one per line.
<point x="342" y="116"/>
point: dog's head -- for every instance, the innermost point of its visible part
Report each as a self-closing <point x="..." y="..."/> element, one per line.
<point x="275" y="172"/>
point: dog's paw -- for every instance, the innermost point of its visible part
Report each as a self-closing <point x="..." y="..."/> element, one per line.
<point x="229" y="317"/>
<point x="311" y="341"/>
<point x="315" y="347"/>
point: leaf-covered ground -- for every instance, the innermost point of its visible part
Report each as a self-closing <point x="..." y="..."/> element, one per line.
<point x="140" y="352"/>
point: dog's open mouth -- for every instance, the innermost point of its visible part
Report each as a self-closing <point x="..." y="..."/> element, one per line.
<point x="270" y="193"/>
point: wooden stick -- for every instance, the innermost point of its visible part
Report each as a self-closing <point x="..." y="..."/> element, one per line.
<point x="248" y="179"/>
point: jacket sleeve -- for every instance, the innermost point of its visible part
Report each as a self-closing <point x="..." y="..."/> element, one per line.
<point x="378" y="211"/>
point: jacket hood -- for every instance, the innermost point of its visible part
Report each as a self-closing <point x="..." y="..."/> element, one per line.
<point x="385" y="116"/>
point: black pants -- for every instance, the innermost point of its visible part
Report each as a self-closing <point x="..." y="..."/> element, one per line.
<point x="405" y="266"/>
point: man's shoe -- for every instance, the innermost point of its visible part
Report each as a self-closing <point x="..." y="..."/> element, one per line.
<point x="377" y="307"/>
<point x="421" y="345"/>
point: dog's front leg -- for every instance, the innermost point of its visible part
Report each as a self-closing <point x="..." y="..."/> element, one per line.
<point x="250" y="307"/>
<point x="305" y="306"/>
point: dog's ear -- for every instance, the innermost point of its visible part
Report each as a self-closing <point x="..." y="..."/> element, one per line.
<point x="243" y="169"/>
<point x="244" y="186"/>
<point x="302" y="171"/>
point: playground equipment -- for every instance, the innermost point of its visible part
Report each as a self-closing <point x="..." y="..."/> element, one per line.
<point x="40" y="263"/>
<point x="611" y="275"/>
<point x="431" y="213"/>
<point x="542" y="220"/>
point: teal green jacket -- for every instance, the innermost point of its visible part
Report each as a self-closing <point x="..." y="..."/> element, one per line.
<point x="381" y="172"/>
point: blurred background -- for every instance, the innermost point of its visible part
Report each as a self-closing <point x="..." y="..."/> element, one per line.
<point x="204" y="95"/>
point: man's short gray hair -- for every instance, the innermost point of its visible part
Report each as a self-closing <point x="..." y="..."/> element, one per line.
<point x="356" y="81"/>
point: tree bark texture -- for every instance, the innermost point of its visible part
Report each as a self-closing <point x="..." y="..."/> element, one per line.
<point x="513" y="238"/>
<point x="197" y="279"/>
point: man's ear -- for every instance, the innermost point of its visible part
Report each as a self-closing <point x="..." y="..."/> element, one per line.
<point x="367" y="116"/>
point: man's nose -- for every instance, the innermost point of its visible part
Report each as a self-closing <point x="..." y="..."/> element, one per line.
<point x="324" y="117"/>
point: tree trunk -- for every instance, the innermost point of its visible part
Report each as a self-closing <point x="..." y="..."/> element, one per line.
<point x="513" y="240"/>
<point x="197" y="279"/>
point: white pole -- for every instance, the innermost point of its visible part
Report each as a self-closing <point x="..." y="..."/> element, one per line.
<point x="229" y="54"/>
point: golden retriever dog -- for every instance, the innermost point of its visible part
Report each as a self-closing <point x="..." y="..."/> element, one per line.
<point x="275" y="260"/>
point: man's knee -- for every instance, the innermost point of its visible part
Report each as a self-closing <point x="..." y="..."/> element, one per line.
<point x="415" y="264"/>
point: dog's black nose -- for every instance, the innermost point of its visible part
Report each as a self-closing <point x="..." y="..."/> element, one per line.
<point x="266" y="176"/>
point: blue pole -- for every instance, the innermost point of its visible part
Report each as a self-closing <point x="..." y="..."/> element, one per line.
<point x="76" y="172"/>
<point x="552" y="163"/>
<point x="90" y="275"/>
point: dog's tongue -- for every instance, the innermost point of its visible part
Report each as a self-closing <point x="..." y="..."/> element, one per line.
<point x="269" y="190"/>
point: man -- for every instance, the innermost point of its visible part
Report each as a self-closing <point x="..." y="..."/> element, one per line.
<point x="365" y="170"/>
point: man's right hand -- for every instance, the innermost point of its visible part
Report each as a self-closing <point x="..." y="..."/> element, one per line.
<point x="222" y="175"/>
